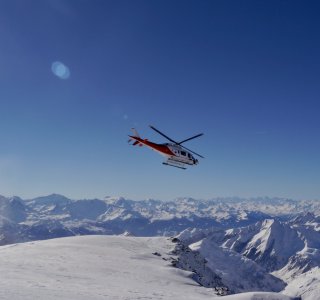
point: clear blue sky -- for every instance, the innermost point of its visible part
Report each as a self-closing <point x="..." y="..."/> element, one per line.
<point x="246" y="73"/>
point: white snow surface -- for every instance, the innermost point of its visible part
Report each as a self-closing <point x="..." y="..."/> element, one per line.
<point x="93" y="267"/>
<point x="99" y="267"/>
<point x="307" y="285"/>
<point x="256" y="296"/>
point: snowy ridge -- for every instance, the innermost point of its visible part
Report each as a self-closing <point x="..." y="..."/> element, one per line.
<point x="290" y="249"/>
<point x="270" y="243"/>
<point x="101" y="267"/>
<point x="236" y="271"/>
<point x="55" y="215"/>
<point x="239" y="273"/>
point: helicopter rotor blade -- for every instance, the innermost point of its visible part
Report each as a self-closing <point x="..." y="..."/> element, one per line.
<point x="191" y="151"/>
<point x="171" y="140"/>
<point x="155" y="129"/>
<point x="191" y="138"/>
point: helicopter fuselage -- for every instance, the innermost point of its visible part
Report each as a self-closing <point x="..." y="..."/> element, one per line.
<point x="174" y="153"/>
<point x="177" y="155"/>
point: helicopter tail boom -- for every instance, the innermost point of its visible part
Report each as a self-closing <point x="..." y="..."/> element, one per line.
<point x="136" y="141"/>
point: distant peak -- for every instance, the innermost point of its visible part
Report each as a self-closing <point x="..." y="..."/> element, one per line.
<point x="52" y="198"/>
<point x="113" y="199"/>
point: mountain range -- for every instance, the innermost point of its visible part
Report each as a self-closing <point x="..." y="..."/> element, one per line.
<point x="56" y="216"/>
<point x="230" y="245"/>
<point x="269" y="255"/>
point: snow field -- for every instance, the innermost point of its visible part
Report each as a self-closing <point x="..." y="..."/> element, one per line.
<point x="93" y="267"/>
<point x="100" y="267"/>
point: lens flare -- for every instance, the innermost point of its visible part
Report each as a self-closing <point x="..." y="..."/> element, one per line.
<point x="60" y="70"/>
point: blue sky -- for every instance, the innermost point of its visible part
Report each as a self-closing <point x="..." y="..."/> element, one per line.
<point x="246" y="73"/>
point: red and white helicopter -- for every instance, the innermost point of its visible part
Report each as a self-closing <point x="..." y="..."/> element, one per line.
<point x="177" y="155"/>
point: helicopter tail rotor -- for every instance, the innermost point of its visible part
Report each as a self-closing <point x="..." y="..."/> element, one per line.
<point x="135" y="132"/>
<point x="135" y="138"/>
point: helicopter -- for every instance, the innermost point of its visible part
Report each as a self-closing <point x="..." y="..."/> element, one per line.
<point x="176" y="155"/>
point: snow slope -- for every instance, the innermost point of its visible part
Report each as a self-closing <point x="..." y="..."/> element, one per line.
<point x="293" y="246"/>
<point x="239" y="273"/>
<point x="270" y="243"/>
<point x="93" y="267"/>
<point x="307" y="285"/>
<point x="257" y="296"/>
<point x="99" y="267"/>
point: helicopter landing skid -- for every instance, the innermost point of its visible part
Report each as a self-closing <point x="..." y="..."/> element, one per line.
<point x="173" y="163"/>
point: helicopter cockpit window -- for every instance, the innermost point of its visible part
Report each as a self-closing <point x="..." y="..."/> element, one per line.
<point x="189" y="155"/>
<point x="183" y="153"/>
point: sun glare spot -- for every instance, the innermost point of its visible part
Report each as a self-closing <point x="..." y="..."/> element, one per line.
<point x="60" y="70"/>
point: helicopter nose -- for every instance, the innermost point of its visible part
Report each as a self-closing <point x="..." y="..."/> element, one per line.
<point x="196" y="161"/>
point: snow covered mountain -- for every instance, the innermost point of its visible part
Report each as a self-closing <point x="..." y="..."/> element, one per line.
<point x="102" y="267"/>
<point x="289" y="251"/>
<point x="226" y="245"/>
<point x="57" y="216"/>
<point x="270" y="242"/>
<point x="236" y="272"/>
